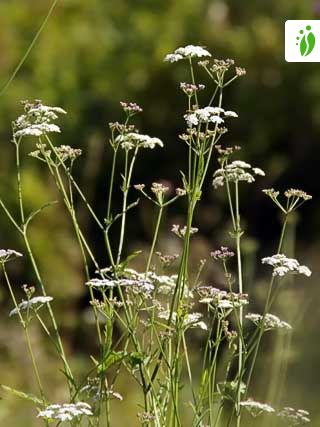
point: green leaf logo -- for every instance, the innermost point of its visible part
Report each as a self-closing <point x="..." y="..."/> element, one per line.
<point x="306" y="40"/>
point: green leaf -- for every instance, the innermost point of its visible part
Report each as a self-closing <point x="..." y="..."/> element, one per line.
<point x="111" y="359"/>
<point x="136" y="358"/>
<point x="23" y="395"/>
<point x="129" y="258"/>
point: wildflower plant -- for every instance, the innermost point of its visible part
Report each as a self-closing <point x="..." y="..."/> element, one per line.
<point x="153" y="312"/>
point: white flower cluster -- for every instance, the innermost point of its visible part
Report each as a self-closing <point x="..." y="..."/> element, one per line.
<point x="142" y="284"/>
<point x="189" y="51"/>
<point x="296" y="417"/>
<point x="208" y="115"/>
<point x="283" y="265"/>
<point x="133" y="140"/>
<point x="270" y="321"/>
<point x="256" y="408"/>
<point x="66" y="411"/>
<point x="221" y="299"/>
<point x="8" y="254"/>
<point x="37" y="120"/>
<point x="164" y="284"/>
<point x="34" y="304"/>
<point x="191" y="320"/>
<point x="234" y="172"/>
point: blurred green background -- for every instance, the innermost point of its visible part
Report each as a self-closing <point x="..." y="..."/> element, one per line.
<point x="94" y="54"/>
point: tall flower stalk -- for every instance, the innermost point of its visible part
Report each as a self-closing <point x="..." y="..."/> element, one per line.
<point x="143" y="320"/>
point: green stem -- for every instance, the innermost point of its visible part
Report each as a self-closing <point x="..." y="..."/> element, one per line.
<point x="126" y="186"/>
<point x="155" y="238"/>
<point x="267" y="306"/>
<point x="26" y="332"/>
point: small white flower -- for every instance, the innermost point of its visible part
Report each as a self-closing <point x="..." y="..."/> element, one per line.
<point x="230" y="114"/>
<point x="283" y="265"/>
<point x="34" y="303"/>
<point x="191" y="320"/>
<point x="189" y="51"/>
<point x="8" y="255"/>
<point x="269" y="322"/>
<point x="295" y="417"/>
<point x="141" y="283"/>
<point x="181" y="231"/>
<point x="66" y="411"/>
<point x="173" y="57"/>
<point x="236" y="171"/>
<point x="133" y="140"/>
<point x="37" y="120"/>
<point x="207" y="115"/>
<point x="258" y="171"/>
<point x="256" y="408"/>
<point x="221" y="299"/>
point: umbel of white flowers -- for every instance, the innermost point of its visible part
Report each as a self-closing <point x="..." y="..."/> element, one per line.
<point x="136" y="140"/>
<point x="8" y="255"/>
<point x="235" y="172"/>
<point x="66" y="411"/>
<point x="37" y="120"/>
<point x="256" y="408"/>
<point x="34" y="303"/>
<point x="208" y="115"/>
<point x="283" y="265"/>
<point x="269" y="321"/>
<point x="189" y="51"/>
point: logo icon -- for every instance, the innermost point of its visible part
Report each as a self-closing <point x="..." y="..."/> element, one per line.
<point x="302" y="41"/>
<point x="306" y="40"/>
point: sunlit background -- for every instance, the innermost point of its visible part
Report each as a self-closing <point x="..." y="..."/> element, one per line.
<point x="93" y="54"/>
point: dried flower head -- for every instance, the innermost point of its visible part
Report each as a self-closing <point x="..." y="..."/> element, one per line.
<point x="28" y="290"/>
<point x="65" y="152"/>
<point x="139" y="187"/>
<point x="295" y="198"/>
<point x="167" y="260"/>
<point x="159" y="189"/>
<point x="283" y="265"/>
<point x="271" y="192"/>
<point x="299" y="194"/>
<point x="146" y="417"/>
<point x="37" y="120"/>
<point x="240" y="71"/>
<point x="180" y="192"/>
<point x="190" y="89"/>
<point x="221" y="65"/>
<point x="181" y="232"/>
<point x="225" y="152"/>
<point x="131" y="108"/>
<point x="97" y="391"/>
<point x="222" y="254"/>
